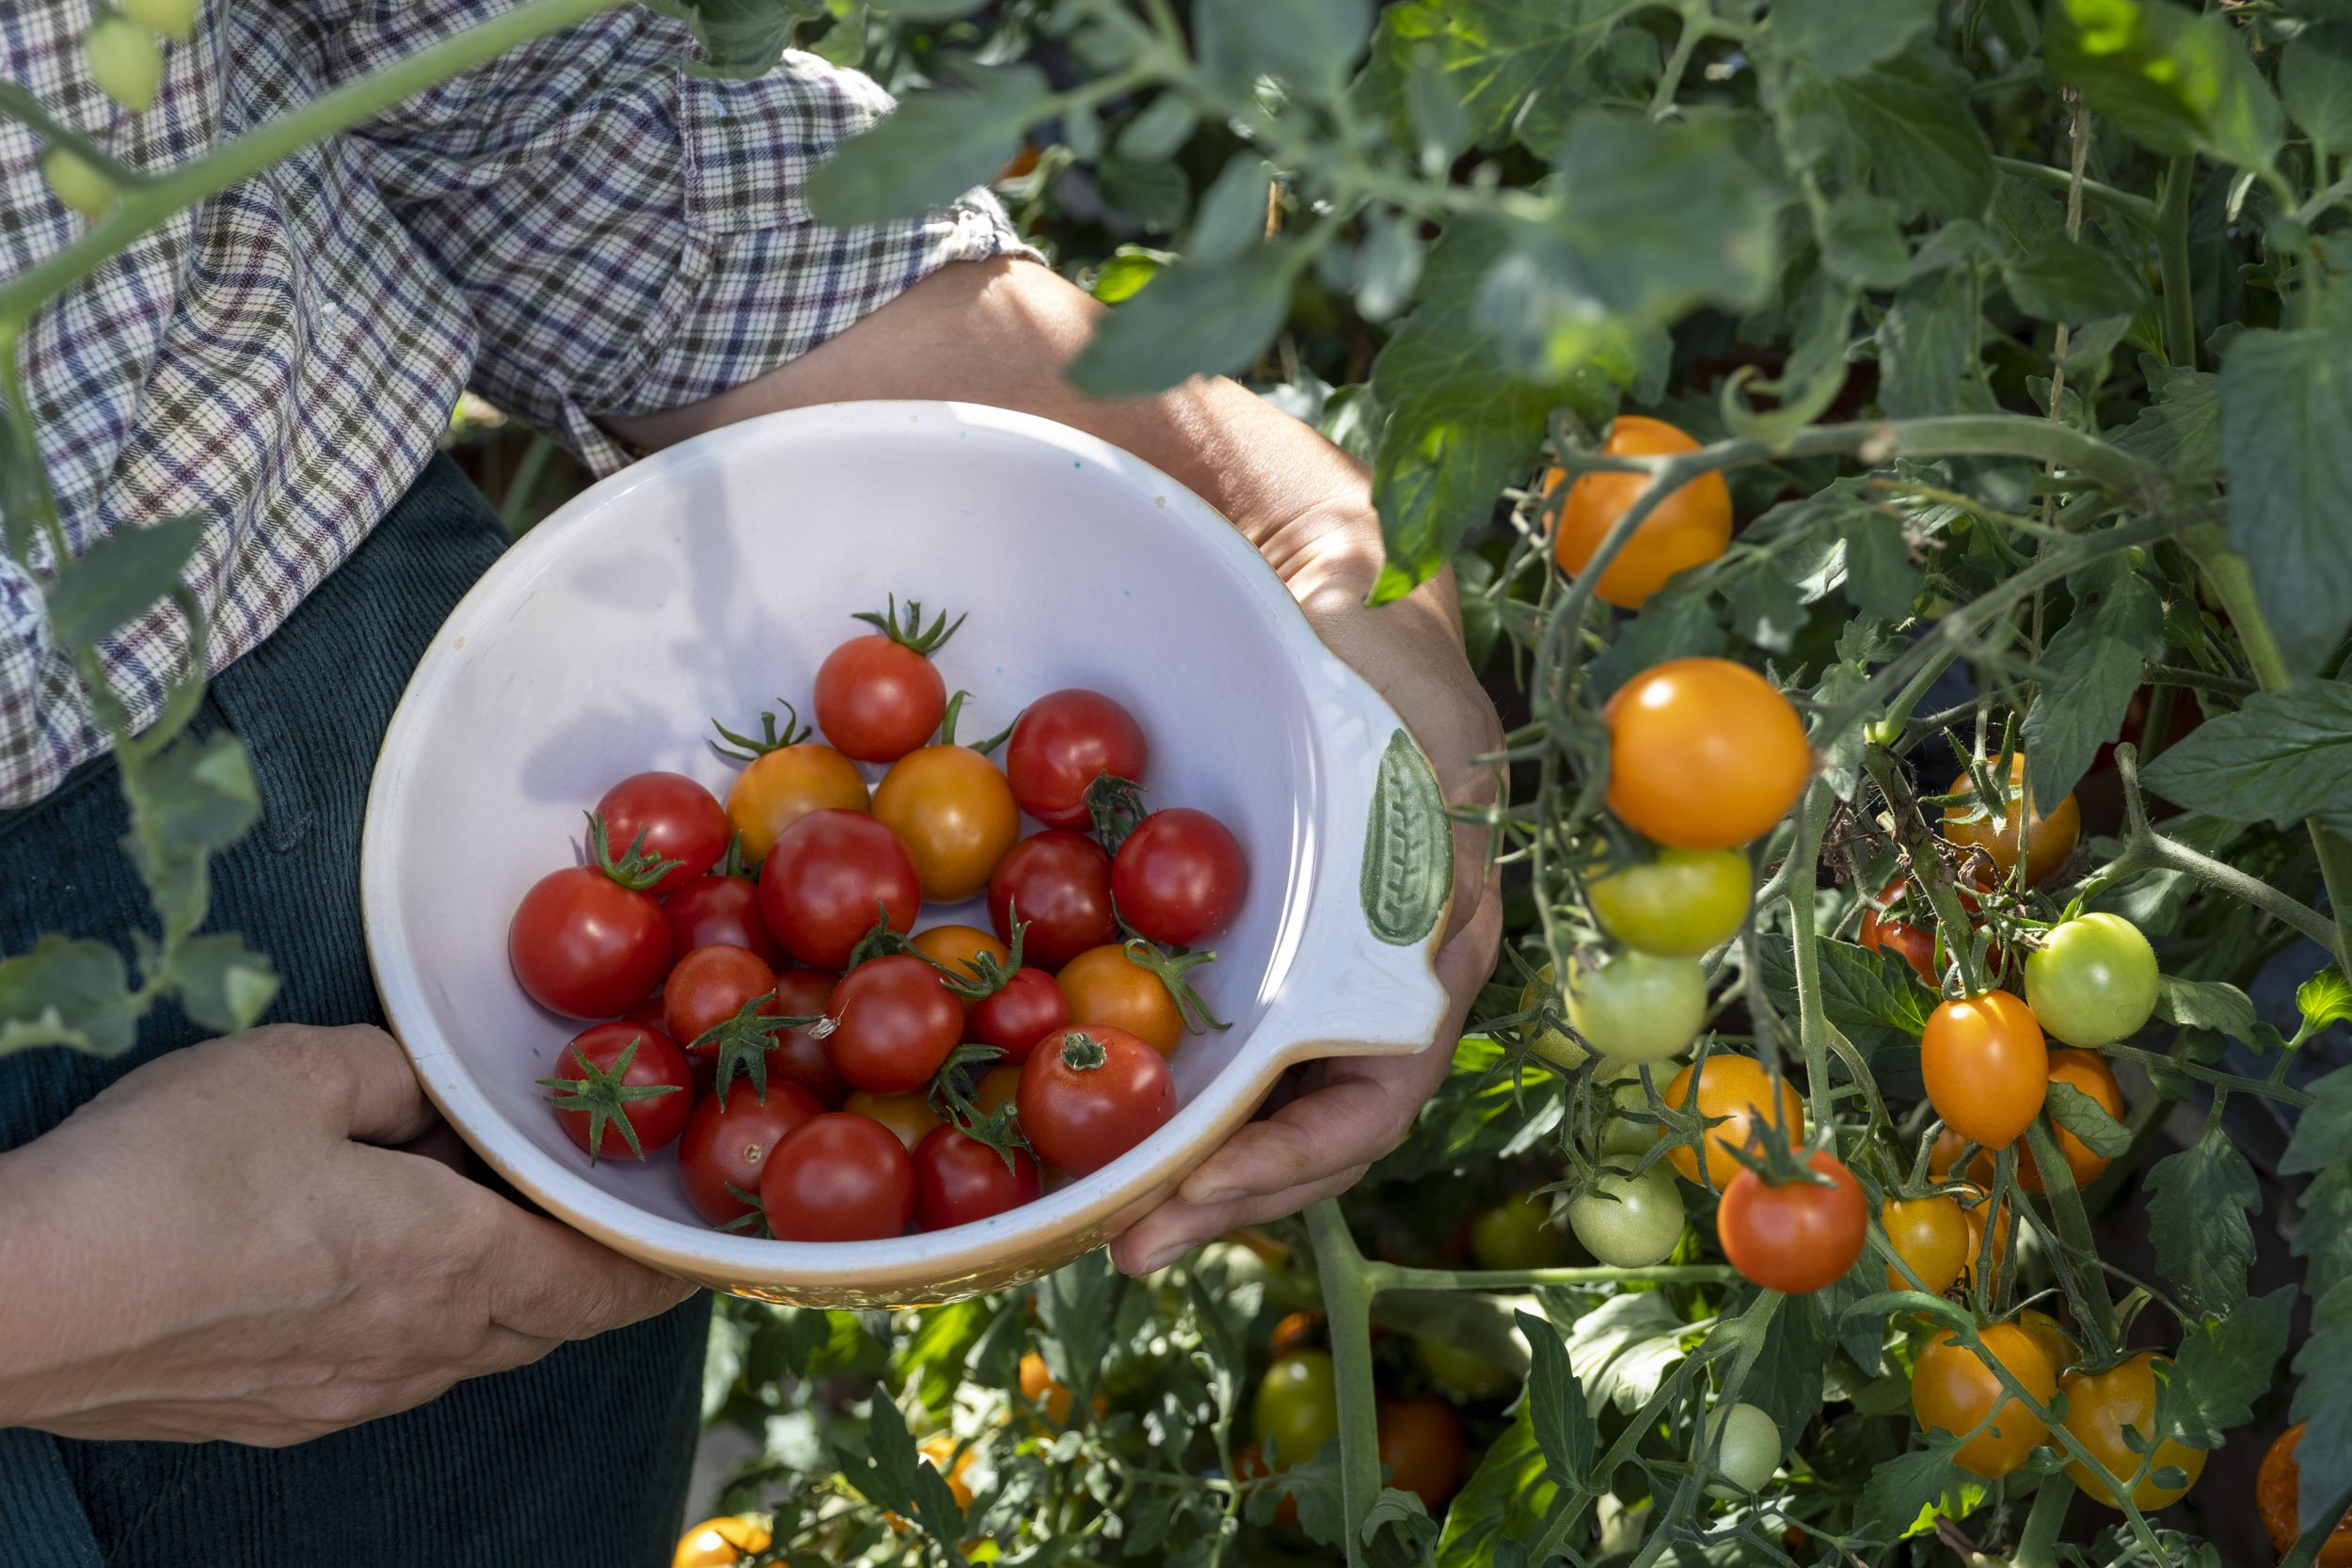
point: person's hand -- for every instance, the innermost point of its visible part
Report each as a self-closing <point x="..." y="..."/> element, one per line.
<point x="1354" y="1109"/>
<point x="217" y="1247"/>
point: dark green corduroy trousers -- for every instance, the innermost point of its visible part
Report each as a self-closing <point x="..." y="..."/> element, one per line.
<point x="579" y="1458"/>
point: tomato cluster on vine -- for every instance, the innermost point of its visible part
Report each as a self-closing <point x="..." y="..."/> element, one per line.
<point x="824" y="1070"/>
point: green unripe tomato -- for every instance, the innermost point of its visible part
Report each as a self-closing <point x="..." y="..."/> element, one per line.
<point x="1677" y="906"/>
<point x="1628" y="1220"/>
<point x="1298" y="1409"/>
<point x="1517" y="1233"/>
<point x="1747" y="1451"/>
<point x="1464" y="1371"/>
<point x="79" y="183"/>
<point x="1555" y="1046"/>
<point x="2092" y="981"/>
<point x="174" y="19"/>
<point x="1638" y="1009"/>
<point x="1618" y="1132"/>
<point x="124" y="60"/>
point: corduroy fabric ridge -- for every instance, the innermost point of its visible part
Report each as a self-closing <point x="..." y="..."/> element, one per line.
<point x="581" y="1457"/>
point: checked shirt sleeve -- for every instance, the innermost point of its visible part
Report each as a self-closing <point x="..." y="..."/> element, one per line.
<point x="630" y="237"/>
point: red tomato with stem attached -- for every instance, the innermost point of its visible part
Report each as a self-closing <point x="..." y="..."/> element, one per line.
<point x="797" y="1056"/>
<point x="838" y="1178"/>
<point x="959" y="1180"/>
<point x="1088" y="1096"/>
<point x="622" y="1091"/>
<point x="1060" y="885"/>
<point x="712" y="912"/>
<point x="822" y="886"/>
<point x="1798" y="1237"/>
<point x="677" y="818"/>
<point x="1180" y="877"/>
<point x="727" y="1145"/>
<point x="878" y="698"/>
<point x="1061" y="744"/>
<point x="1013" y="1019"/>
<point x="589" y="941"/>
<point x="709" y="986"/>
<point x="893" y="1024"/>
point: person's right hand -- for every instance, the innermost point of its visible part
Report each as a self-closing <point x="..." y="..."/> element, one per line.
<point x="218" y="1246"/>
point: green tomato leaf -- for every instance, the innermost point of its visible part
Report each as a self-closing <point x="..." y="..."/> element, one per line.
<point x="741" y="38"/>
<point x="2323" y="1134"/>
<point x="1862" y="240"/>
<point x="1498" y="59"/>
<point x="2173" y="80"/>
<point x="2199" y="1200"/>
<point x="1078" y="1308"/>
<point x="1623" y="1350"/>
<point x="889" y="1473"/>
<point x="2316" y="79"/>
<point x="1504" y="1500"/>
<point x="1194" y="320"/>
<point x="1129" y="267"/>
<point x="944" y="1338"/>
<point x="1912" y="125"/>
<point x="1672" y="624"/>
<point x="2224" y="1368"/>
<point x="1873" y="999"/>
<point x="1555" y="1406"/>
<point x="120" y="577"/>
<point x="1231" y="220"/>
<point x="2093" y="666"/>
<point x="1398" y="1531"/>
<point x="2324" y="999"/>
<point x="2181" y="431"/>
<point x="222" y="984"/>
<point x="936" y="146"/>
<point x="2213" y="1005"/>
<point x="2087" y="1120"/>
<point x="927" y="10"/>
<point x="2284" y="756"/>
<point x="1923" y="345"/>
<point x="1785" y="1380"/>
<point x="2324" y="1238"/>
<point x="2286" y="400"/>
<point x="2324" y="1399"/>
<point x="66" y="992"/>
<point x="1907" y="1493"/>
<point x="1488" y="1107"/>
<point x="1308" y="44"/>
<point x="2050" y="276"/>
<point x="1832" y="37"/>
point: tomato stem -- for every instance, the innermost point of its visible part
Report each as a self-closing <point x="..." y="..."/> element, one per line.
<point x="1348" y="1285"/>
<point x="908" y="630"/>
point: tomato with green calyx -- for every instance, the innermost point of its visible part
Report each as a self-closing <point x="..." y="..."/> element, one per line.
<point x="894" y="1025"/>
<point x="1991" y="827"/>
<point x="1422" y="1447"/>
<point x="1734" y="1096"/>
<point x="1953" y="1390"/>
<point x="1986" y="1066"/>
<point x="785" y="781"/>
<point x="1931" y="1234"/>
<point x="123" y="60"/>
<point x="830" y="878"/>
<point x="838" y="1178"/>
<point x="670" y="818"/>
<point x="721" y="1542"/>
<point x="879" y="697"/>
<point x="1028" y="1006"/>
<point x="622" y="1091"/>
<point x="1061" y="744"/>
<point x="1179" y="878"/>
<point x="1747" y="1450"/>
<point x="959" y="1179"/>
<point x="1517" y="1233"/>
<point x="1298" y="1408"/>
<point x="2092" y="981"/>
<point x="1464" y="1373"/>
<point x="589" y="940"/>
<point x="1677" y="906"/>
<point x="954" y="813"/>
<point x="707" y="987"/>
<point x="1555" y="1045"/>
<point x="78" y="182"/>
<point x="1798" y="1236"/>
<point x="2100" y="1408"/>
<point x="1058" y="885"/>
<point x="2088" y="1072"/>
<point x="1088" y="1096"/>
<point x="725" y="1146"/>
<point x="1103" y="984"/>
<point x="1687" y="528"/>
<point x="1703" y="754"/>
<point x="960" y="948"/>
<point x="1638" y="1009"/>
<point x="1629" y="1219"/>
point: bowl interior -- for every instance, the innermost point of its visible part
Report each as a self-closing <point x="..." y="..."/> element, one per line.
<point x="711" y="581"/>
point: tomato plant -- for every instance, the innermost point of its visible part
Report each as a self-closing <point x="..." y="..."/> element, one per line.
<point x="1986" y="1066"/>
<point x="1794" y="1236"/>
<point x="1638" y="1009"/>
<point x="1676" y="906"/>
<point x="1630" y="1218"/>
<point x="1955" y="1390"/>
<point x="1687" y="528"/>
<point x="1703" y="754"/>
<point x="2092" y="981"/>
<point x="2111" y="1412"/>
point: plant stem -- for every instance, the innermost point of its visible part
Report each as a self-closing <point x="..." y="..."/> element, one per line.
<point x="1347" y="1290"/>
<point x="2138" y="208"/>
<point x="2074" y="1228"/>
<point x="2037" y="1544"/>
<point x="1391" y="1277"/>
<point x="1686" y="44"/>
<point x="1812" y="1020"/>
<point x="2180" y="308"/>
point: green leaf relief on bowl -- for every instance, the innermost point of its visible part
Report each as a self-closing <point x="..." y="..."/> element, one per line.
<point x="1409" y="849"/>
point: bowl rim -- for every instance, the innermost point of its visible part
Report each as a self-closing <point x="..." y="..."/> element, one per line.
<point x="933" y="1265"/>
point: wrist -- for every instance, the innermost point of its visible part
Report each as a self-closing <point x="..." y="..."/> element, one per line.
<point x="34" y="1286"/>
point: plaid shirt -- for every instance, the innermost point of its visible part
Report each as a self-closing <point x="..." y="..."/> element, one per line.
<point x="580" y="227"/>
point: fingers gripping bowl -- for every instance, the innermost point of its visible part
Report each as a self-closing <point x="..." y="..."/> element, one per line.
<point x="706" y="579"/>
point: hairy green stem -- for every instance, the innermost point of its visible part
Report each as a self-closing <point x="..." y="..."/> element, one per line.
<point x="2037" y="1544"/>
<point x="1812" y="1020"/>
<point x="1347" y="1292"/>
<point x="2138" y="208"/>
<point x="2180" y="305"/>
<point x="2074" y="1228"/>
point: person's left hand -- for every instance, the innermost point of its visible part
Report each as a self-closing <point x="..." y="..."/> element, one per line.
<point x="1352" y="1110"/>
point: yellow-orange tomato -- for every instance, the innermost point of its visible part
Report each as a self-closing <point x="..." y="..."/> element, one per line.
<point x="2088" y="1072"/>
<point x="1931" y="1235"/>
<point x="721" y="1542"/>
<point x="2278" y="1494"/>
<point x="1735" y="1094"/>
<point x="1703" y="754"/>
<point x="1953" y="1390"/>
<point x="956" y="946"/>
<point x="778" y="789"/>
<point x="1104" y="985"/>
<point x="910" y="1116"/>
<point x="1686" y="528"/>
<point x="2050" y="1335"/>
<point x="1041" y="1387"/>
<point x="955" y="814"/>
<point x="2099" y="1406"/>
<point x="1944" y="1156"/>
<point x="939" y="1452"/>
<point x="1991" y="826"/>
<point x="1986" y="1066"/>
<point x="997" y="1087"/>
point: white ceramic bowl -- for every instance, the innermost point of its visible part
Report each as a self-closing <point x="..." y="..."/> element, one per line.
<point x="712" y="578"/>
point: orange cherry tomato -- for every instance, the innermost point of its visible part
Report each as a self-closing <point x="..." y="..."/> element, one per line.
<point x="2278" y="1494"/>
<point x="910" y="1116"/>
<point x="1703" y="754"/>
<point x="778" y="789"/>
<point x="2099" y="1406"/>
<point x="1953" y="1390"/>
<point x="2050" y="1335"/>
<point x="1931" y="1234"/>
<point x="956" y="946"/>
<point x="1986" y="1066"/>
<point x="954" y="812"/>
<point x="1041" y="1387"/>
<point x="1944" y="1156"/>
<point x="1973" y="825"/>
<point x="1733" y="1094"/>
<point x="939" y="1452"/>
<point x="720" y="1543"/>
<point x="1104" y="985"/>
<point x="1686" y="528"/>
<point x="997" y="1087"/>
<point x="2088" y="1072"/>
<point x="1797" y="1237"/>
<point x="1422" y="1447"/>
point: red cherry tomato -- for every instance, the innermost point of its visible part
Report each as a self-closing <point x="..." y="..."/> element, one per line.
<point x="1795" y="1238"/>
<point x="709" y="987"/>
<point x="893" y="1024"/>
<point x="1063" y="743"/>
<point x="680" y="820"/>
<point x="797" y="1056"/>
<point x="838" y="1178"/>
<point x="819" y="886"/>
<point x="878" y="699"/>
<point x="1012" y="1020"/>
<point x="1088" y="1096"/>
<point x="1060" y="884"/>
<point x="600" y="1103"/>
<point x="712" y="912"/>
<point x="959" y="1180"/>
<point x="584" y="945"/>
<point x="1179" y="878"/>
<point x="727" y="1145"/>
